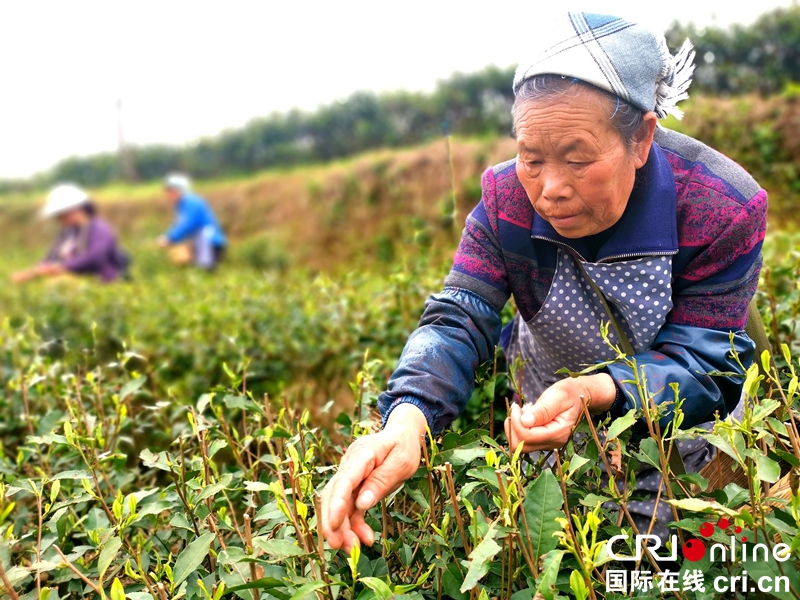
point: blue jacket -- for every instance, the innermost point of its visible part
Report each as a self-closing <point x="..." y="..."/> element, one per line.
<point x="192" y="215"/>
<point x="689" y="201"/>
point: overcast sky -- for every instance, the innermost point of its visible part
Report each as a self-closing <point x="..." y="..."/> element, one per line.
<point x="191" y="69"/>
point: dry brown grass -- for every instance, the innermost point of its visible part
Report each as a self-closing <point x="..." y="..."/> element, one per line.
<point x="322" y="215"/>
<point x="318" y="215"/>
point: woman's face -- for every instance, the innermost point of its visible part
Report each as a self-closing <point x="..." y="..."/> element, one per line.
<point x="573" y="163"/>
<point x="72" y="218"/>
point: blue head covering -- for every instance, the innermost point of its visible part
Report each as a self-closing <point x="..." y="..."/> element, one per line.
<point x="613" y="54"/>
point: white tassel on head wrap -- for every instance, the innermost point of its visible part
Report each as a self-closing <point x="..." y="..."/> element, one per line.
<point x="675" y="79"/>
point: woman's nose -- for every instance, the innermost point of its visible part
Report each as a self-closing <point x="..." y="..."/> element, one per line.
<point x="555" y="183"/>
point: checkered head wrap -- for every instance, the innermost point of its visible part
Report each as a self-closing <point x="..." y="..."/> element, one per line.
<point x="613" y="54"/>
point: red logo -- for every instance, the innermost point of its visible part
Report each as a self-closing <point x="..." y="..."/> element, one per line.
<point x="706" y="529"/>
<point x="694" y="550"/>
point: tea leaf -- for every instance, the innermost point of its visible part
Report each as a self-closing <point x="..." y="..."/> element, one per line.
<point x="649" y="453"/>
<point x="307" y="589"/>
<point x="451" y="583"/>
<point x="621" y="424"/>
<point x="786" y="456"/>
<point x="154" y="508"/>
<point x="278" y="550"/>
<point x="265" y="583"/>
<point x="256" y="486"/>
<point x="592" y="500"/>
<point x="117" y="591"/>
<point x="723" y="445"/>
<point x="693" y="478"/>
<point x="576" y="463"/>
<point x="458" y="457"/>
<point x="542" y="506"/>
<point x="547" y="581"/>
<point x="158" y="461"/>
<point x="74" y="475"/>
<point x="107" y="555"/>
<point x="214" y="488"/>
<point x="704" y="506"/>
<point x="190" y="558"/>
<point x="480" y="561"/>
<point x="768" y="470"/>
<point x="382" y="591"/>
<point x="241" y="402"/>
<point x="216" y="446"/>
<point x="764" y="408"/>
<point x="131" y="387"/>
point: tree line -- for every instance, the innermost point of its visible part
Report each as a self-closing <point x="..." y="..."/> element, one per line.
<point x="762" y="57"/>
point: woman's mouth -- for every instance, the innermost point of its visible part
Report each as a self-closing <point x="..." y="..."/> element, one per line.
<point x="563" y="220"/>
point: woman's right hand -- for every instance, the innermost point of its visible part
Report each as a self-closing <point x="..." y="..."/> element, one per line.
<point x="372" y="468"/>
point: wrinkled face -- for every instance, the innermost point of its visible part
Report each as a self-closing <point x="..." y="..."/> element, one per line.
<point x="573" y="163"/>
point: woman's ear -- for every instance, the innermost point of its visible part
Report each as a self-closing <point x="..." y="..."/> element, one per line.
<point x="644" y="139"/>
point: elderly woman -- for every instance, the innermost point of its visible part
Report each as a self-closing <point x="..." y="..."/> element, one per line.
<point x="86" y="244"/>
<point x="602" y="211"/>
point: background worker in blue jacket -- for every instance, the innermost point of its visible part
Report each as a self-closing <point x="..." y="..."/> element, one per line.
<point x="195" y="223"/>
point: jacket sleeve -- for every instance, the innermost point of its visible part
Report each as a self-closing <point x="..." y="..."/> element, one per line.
<point x="459" y="328"/>
<point x="457" y="333"/>
<point x="99" y="246"/>
<point x="189" y="222"/>
<point x="711" y="295"/>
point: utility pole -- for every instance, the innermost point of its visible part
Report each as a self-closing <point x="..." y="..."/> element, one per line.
<point x="125" y="156"/>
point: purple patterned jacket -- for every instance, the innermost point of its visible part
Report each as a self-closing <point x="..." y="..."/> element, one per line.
<point x="688" y="201"/>
<point x="96" y="251"/>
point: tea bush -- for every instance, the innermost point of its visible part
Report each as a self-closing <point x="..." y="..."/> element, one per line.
<point x="292" y="329"/>
<point x="224" y="502"/>
<point x="168" y="437"/>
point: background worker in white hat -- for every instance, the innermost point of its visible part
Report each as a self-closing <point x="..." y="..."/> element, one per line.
<point x="195" y="223"/>
<point x="86" y="244"/>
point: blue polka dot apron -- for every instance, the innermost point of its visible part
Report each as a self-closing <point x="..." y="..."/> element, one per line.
<point x="566" y="332"/>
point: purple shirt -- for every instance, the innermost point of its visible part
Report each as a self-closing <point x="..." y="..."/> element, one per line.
<point x="95" y="251"/>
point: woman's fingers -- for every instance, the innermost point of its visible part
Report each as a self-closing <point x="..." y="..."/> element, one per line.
<point x="554" y="417"/>
<point x="360" y="528"/>
<point x="395" y="458"/>
<point x="372" y="468"/>
<point x="516" y="432"/>
<point x="341" y="535"/>
<point x="554" y="401"/>
<point x="339" y="496"/>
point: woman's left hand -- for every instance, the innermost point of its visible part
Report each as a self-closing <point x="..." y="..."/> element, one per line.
<point x="547" y="424"/>
<point x="46" y="269"/>
<point x="22" y="276"/>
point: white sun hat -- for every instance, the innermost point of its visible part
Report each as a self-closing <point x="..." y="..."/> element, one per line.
<point x="63" y="198"/>
<point x="178" y="181"/>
